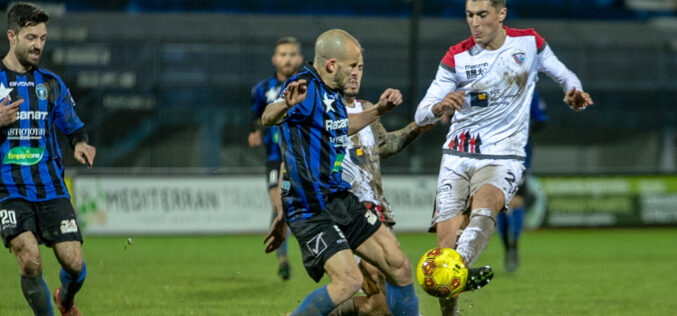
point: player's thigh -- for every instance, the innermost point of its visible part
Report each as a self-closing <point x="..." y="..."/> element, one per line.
<point x="24" y="248"/>
<point x="342" y="268"/>
<point x="69" y="254"/>
<point x="374" y="281"/>
<point x="383" y="251"/>
<point x="453" y="189"/>
<point x="495" y="183"/>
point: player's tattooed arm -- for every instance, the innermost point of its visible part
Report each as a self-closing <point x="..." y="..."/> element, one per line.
<point x="294" y="93"/>
<point x="391" y="143"/>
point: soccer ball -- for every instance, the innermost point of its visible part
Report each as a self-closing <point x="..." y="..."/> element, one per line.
<point x="441" y="272"/>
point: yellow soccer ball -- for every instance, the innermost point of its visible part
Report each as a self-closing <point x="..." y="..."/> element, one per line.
<point x="441" y="272"/>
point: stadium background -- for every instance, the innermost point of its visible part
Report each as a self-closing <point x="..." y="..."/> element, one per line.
<point x="163" y="87"/>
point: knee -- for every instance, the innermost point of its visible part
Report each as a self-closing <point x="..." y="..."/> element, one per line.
<point x="73" y="265"/>
<point x="400" y="270"/>
<point x="29" y="262"/>
<point x="351" y="282"/>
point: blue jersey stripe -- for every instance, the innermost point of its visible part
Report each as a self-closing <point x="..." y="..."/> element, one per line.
<point x="43" y="171"/>
<point x="6" y="169"/>
<point x="26" y="174"/>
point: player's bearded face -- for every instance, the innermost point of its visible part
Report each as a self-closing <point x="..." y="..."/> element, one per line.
<point x="28" y="44"/>
<point x="287" y="59"/>
<point x="484" y="20"/>
<point x="353" y="79"/>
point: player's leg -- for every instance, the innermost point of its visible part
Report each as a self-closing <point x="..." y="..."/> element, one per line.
<point x="491" y="186"/>
<point x="383" y="251"/>
<point x="374" y="287"/>
<point x="453" y="191"/>
<point x="272" y="182"/>
<point x="513" y="222"/>
<point x="19" y="230"/>
<point x="58" y="218"/>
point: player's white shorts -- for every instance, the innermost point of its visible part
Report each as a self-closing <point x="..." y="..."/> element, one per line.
<point x="461" y="177"/>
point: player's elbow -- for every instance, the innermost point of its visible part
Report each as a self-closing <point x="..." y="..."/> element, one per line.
<point x="267" y="120"/>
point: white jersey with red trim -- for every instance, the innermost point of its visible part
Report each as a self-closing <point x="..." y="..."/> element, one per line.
<point x="498" y="86"/>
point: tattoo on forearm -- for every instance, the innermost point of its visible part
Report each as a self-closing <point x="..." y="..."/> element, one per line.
<point x="394" y="142"/>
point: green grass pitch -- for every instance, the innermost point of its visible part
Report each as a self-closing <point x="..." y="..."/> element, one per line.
<point x="563" y="272"/>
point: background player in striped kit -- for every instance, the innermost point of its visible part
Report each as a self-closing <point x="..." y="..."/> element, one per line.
<point x="486" y="83"/>
<point x="329" y="221"/>
<point x="34" y="202"/>
<point x="362" y="169"/>
<point x="286" y="59"/>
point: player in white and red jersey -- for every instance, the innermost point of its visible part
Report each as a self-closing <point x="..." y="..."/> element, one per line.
<point x="485" y="83"/>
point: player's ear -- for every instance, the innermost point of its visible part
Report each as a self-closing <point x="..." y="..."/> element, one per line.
<point x="502" y="14"/>
<point x="10" y="36"/>
<point x="330" y="65"/>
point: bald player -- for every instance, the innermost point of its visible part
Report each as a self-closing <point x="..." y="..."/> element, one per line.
<point x="329" y="221"/>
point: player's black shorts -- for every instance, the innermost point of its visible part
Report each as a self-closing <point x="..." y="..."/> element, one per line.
<point x="344" y="224"/>
<point x="50" y="221"/>
<point x="272" y="173"/>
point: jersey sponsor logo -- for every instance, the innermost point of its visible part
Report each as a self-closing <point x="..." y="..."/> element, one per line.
<point x="31" y="115"/>
<point x="25" y="133"/>
<point x="41" y="92"/>
<point x="476" y="71"/>
<point x="331" y="125"/>
<point x="337" y="163"/>
<point x="339" y="141"/>
<point x="23" y="156"/>
<point x="317" y="245"/>
<point x="21" y="83"/>
<point x="69" y="226"/>
<point x="519" y="57"/>
<point x="479" y="99"/>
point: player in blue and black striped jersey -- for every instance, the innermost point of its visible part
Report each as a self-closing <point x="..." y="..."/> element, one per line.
<point x="286" y="59"/>
<point x="328" y="221"/>
<point x="35" y="206"/>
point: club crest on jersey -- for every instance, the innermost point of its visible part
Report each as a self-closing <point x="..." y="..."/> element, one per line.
<point x="519" y="57"/>
<point x="41" y="92"/>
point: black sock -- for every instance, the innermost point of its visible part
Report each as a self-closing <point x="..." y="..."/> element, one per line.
<point x="37" y="295"/>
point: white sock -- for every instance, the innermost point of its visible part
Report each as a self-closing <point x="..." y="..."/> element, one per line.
<point x="476" y="236"/>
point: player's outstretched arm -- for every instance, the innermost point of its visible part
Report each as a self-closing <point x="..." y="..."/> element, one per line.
<point x="390" y="98"/>
<point x="294" y="93"/>
<point x="394" y="142"/>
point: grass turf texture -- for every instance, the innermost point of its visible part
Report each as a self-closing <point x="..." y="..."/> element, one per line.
<point x="563" y="272"/>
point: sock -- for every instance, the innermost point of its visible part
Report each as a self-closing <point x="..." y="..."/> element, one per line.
<point x="401" y="300"/>
<point x="449" y="306"/>
<point x="346" y="308"/>
<point x="317" y="302"/>
<point x="503" y="225"/>
<point x="71" y="284"/>
<point x="516" y="223"/>
<point x="37" y="295"/>
<point x="476" y="236"/>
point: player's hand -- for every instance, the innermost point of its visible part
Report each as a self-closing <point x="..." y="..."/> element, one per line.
<point x="295" y="92"/>
<point x="254" y="139"/>
<point x="84" y="154"/>
<point x="577" y="100"/>
<point x="276" y="235"/>
<point x="8" y="112"/>
<point x="452" y="102"/>
<point x="390" y="98"/>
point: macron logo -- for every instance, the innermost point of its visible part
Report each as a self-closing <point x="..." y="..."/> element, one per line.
<point x="317" y="245"/>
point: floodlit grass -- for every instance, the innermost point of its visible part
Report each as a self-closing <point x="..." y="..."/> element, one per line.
<point x="563" y="272"/>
